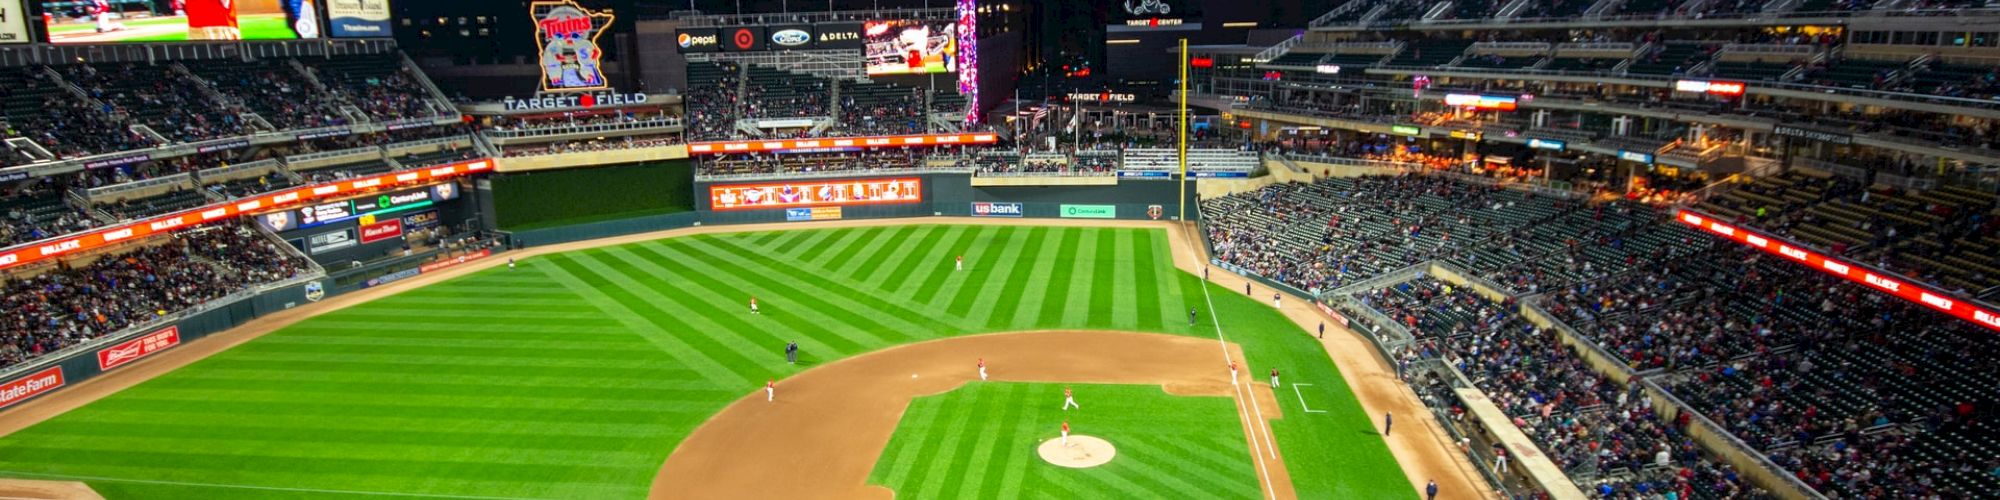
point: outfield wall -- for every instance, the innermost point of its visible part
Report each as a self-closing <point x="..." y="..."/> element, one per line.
<point x="953" y="194"/>
<point x="86" y="361"/>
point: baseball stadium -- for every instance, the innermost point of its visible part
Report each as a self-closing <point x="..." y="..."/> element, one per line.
<point x="1298" y="249"/>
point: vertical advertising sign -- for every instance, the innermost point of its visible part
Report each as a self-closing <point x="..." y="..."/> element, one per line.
<point x="567" y="34"/>
<point x="358" y="18"/>
<point x="13" y="22"/>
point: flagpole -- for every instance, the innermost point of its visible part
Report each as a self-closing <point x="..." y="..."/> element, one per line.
<point x="1181" y="126"/>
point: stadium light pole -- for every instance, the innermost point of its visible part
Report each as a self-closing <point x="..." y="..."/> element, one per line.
<point x="1182" y="128"/>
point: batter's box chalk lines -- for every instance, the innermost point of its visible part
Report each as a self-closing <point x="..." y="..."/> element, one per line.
<point x="253" y="487"/>
<point x="1302" y="398"/>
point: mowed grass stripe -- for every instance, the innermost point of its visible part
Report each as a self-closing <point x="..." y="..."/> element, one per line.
<point x="1062" y="277"/>
<point x="765" y="238"/>
<point x="698" y="330"/>
<point x="1033" y="289"/>
<point x="984" y="269"/>
<point x="1146" y="283"/>
<point x="726" y="325"/>
<point x="925" y="255"/>
<point x="983" y="448"/>
<point x="1102" y="287"/>
<point x="566" y="272"/>
<point x="940" y="269"/>
<point x="814" y="246"/>
<point x="844" y="252"/>
<point x="1001" y="307"/>
<point x="800" y="325"/>
<point x="859" y="305"/>
<point x="946" y="452"/>
<point x="961" y="245"/>
<point x="838" y="314"/>
<point x="873" y="252"/>
<point x="705" y="293"/>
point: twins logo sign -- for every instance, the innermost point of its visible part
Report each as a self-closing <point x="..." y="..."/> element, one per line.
<point x="1155" y="211"/>
<point x="567" y="34"/>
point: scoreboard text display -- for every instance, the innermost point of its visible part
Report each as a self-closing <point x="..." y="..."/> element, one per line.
<point x="815" y="193"/>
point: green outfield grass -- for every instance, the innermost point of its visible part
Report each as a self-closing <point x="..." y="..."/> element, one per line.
<point x="980" y="441"/>
<point x="575" y="375"/>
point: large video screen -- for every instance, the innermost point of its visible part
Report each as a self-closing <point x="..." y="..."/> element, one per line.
<point x="907" y="46"/>
<point x="113" y="21"/>
<point x="820" y="193"/>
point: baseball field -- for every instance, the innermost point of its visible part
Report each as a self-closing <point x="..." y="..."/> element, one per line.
<point x="577" y="375"/>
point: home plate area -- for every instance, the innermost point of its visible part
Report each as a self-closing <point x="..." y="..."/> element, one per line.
<point x="1083" y="452"/>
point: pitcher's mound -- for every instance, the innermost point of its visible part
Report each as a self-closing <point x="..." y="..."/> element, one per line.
<point x="1083" y="452"/>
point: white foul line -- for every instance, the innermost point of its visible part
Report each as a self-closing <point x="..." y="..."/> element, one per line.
<point x="1302" y="398"/>
<point x="251" y="487"/>
<point x="1269" y="490"/>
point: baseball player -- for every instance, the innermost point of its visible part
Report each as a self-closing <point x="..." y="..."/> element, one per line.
<point x="1204" y="273"/>
<point x="1274" y="378"/>
<point x="1069" y="400"/>
<point x="771" y="390"/>
<point x="1322" y="329"/>
<point x="101" y="10"/>
<point x="1277" y="301"/>
<point x="982" y="368"/>
<point x="1246" y="288"/>
<point x="792" y="353"/>
<point x="1065" y="434"/>
<point x="753" y="305"/>
<point x="1191" y="316"/>
<point x="1232" y="372"/>
<point x="960" y="264"/>
<point x="510" y="263"/>
<point x="212" y="20"/>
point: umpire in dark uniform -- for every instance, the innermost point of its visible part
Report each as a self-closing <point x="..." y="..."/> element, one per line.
<point x="792" y="352"/>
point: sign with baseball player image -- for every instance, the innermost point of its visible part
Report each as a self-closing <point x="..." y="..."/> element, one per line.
<point x="910" y="46"/>
<point x="820" y="193"/>
<point x="114" y="21"/>
<point x="567" y="33"/>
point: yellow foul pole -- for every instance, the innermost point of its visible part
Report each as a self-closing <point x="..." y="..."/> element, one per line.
<point x="1183" y="126"/>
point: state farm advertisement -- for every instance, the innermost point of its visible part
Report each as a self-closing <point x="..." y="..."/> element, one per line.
<point x="34" y="384"/>
<point x="820" y="193"/>
<point x="379" y="231"/>
<point x="132" y="350"/>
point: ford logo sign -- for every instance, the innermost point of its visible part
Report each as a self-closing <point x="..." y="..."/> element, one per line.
<point x="791" y="38"/>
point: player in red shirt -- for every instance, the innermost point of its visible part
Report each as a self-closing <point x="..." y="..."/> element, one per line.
<point x="770" y="390"/>
<point x="101" y="10"/>
<point x="212" y="20"/>
<point x="1065" y="434"/>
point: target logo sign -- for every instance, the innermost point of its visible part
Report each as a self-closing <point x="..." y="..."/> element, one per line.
<point x="744" y="39"/>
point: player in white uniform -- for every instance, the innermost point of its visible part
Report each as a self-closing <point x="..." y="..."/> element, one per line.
<point x="1065" y="435"/>
<point x="960" y="264"/>
<point x="1069" y="400"/>
<point x="753" y="306"/>
<point x="982" y="368"/>
<point x="771" y="390"/>
<point x="1232" y="372"/>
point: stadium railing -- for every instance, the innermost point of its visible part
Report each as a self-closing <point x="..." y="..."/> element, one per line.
<point x="595" y="128"/>
<point x="833" y="173"/>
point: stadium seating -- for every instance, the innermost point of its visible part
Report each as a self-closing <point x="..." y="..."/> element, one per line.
<point x="158" y="97"/>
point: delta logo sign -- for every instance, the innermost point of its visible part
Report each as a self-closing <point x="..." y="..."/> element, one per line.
<point x="567" y="35"/>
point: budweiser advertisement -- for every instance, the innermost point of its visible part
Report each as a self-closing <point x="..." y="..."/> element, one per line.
<point x="815" y="193"/>
<point x="165" y="224"/>
<point x="132" y="350"/>
<point x="34" y="384"/>
<point x="891" y="141"/>
<point x="1859" y="273"/>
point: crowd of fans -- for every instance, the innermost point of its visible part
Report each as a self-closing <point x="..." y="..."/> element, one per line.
<point x="46" y="312"/>
<point x="591" y="145"/>
<point x="1607" y="437"/>
<point x="796" y="163"/>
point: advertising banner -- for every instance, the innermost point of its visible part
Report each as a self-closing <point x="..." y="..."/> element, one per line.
<point x="392" y="277"/>
<point x="27" y="253"/>
<point x="388" y="229"/>
<point x="421" y="220"/>
<point x="909" y="46"/>
<point x="1090" y="211"/>
<point x="131" y="350"/>
<point x="829" y="192"/>
<point x="434" y="266"/>
<point x="327" y="242"/>
<point x="790" y="37"/>
<point x="698" y="40"/>
<point x="743" y="39"/>
<point x="358" y="18"/>
<point x="13" y="22"/>
<point x="989" y="209"/>
<point x="71" y="21"/>
<point x="837" y="36"/>
<point x="887" y="141"/>
<point x="34" y="384"/>
<point x="567" y="35"/>
<point x="807" y="214"/>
